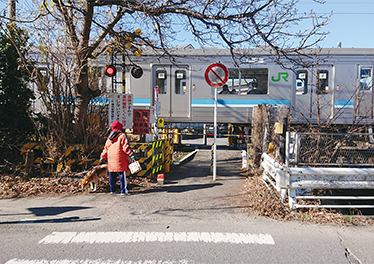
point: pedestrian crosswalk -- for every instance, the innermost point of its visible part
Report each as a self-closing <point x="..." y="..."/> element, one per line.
<point x="133" y="237"/>
<point x="74" y="238"/>
<point x="97" y="261"/>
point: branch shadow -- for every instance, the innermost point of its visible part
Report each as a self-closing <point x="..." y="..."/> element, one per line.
<point x="55" y="220"/>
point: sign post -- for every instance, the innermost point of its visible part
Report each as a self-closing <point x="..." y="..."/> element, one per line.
<point x="216" y="75"/>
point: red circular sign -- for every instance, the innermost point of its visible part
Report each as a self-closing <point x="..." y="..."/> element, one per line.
<point x="216" y="75"/>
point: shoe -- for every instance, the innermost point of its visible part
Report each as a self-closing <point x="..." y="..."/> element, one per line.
<point x="125" y="194"/>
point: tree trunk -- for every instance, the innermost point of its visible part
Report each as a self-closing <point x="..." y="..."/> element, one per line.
<point x="259" y="117"/>
<point x="29" y="163"/>
<point x="83" y="97"/>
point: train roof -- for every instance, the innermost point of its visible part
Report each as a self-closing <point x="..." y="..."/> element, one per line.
<point x="189" y="50"/>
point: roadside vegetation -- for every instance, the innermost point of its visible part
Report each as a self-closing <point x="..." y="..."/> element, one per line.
<point x="260" y="200"/>
<point x="255" y="197"/>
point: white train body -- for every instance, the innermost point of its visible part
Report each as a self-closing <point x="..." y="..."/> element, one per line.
<point x="338" y="90"/>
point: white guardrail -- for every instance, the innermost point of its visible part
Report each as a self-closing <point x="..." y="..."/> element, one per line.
<point x="299" y="184"/>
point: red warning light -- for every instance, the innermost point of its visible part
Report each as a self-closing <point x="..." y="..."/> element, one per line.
<point x="110" y="71"/>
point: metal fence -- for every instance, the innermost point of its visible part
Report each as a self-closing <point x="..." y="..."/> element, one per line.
<point x="324" y="170"/>
<point x="331" y="150"/>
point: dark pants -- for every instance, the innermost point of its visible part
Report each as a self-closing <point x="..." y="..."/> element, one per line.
<point x="122" y="180"/>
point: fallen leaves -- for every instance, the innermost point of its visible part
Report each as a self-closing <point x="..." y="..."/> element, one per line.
<point x="16" y="186"/>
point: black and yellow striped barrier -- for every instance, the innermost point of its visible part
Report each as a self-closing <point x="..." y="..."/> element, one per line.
<point x="36" y="147"/>
<point x="154" y="157"/>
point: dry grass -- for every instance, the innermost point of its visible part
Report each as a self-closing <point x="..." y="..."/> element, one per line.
<point x="19" y="187"/>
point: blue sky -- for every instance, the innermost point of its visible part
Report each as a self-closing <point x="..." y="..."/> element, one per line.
<point x="352" y="21"/>
<point x="351" y="24"/>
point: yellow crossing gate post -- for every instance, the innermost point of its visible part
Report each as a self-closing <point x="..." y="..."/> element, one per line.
<point x="169" y="149"/>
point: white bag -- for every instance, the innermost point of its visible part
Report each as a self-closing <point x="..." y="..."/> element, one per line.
<point x="135" y="167"/>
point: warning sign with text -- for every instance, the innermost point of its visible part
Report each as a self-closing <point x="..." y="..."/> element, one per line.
<point x="141" y="122"/>
<point x="121" y="109"/>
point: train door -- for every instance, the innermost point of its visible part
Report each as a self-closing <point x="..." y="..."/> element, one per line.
<point x="313" y="94"/>
<point x="302" y="102"/>
<point x="322" y="99"/>
<point x="173" y="90"/>
<point x="364" y="100"/>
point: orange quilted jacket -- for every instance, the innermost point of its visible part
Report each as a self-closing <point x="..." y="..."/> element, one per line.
<point x="116" y="152"/>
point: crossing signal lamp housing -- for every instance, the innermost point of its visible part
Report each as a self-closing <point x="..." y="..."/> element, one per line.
<point x="110" y="71"/>
<point x="137" y="72"/>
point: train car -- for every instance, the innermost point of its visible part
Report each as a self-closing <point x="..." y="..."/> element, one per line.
<point x="337" y="89"/>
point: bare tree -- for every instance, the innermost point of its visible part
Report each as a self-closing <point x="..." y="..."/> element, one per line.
<point x="87" y="29"/>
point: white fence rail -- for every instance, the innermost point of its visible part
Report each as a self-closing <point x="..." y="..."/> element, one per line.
<point x="299" y="183"/>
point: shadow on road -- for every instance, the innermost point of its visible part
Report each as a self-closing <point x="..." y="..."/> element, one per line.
<point x="55" y="210"/>
<point x="182" y="188"/>
<point x="52" y="211"/>
<point x="55" y="220"/>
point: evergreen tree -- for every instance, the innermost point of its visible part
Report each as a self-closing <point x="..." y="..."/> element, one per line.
<point x="15" y="96"/>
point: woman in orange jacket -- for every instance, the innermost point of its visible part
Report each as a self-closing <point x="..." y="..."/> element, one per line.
<point x="116" y="151"/>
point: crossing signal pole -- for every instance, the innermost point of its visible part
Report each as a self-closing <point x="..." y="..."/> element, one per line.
<point x="125" y="40"/>
<point x="127" y="43"/>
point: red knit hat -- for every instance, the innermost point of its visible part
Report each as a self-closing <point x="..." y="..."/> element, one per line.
<point x="116" y="126"/>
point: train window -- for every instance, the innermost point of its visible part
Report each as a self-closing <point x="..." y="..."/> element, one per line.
<point x="161" y="81"/>
<point x="301" y="82"/>
<point x="180" y="82"/>
<point x="232" y="84"/>
<point x="365" y="79"/>
<point x="246" y="81"/>
<point x="322" y="82"/>
<point x="255" y="81"/>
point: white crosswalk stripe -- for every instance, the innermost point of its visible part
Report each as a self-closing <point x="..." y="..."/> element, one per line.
<point x="141" y="237"/>
<point x="133" y="237"/>
<point x="97" y="261"/>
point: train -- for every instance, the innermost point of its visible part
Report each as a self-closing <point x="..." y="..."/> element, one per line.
<point x="335" y="89"/>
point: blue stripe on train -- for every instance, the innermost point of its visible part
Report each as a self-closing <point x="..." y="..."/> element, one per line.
<point x="238" y="102"/>
<point x="341" y="103"/>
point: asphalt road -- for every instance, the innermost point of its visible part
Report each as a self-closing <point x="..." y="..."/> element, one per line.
<point x="189" y="219"/>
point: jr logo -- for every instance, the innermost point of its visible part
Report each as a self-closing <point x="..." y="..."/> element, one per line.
<point x="284" y="75"/>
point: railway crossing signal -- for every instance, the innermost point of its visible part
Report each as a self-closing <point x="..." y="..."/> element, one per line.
<point x="137" y="72"/>
<point x="110" y="70"/>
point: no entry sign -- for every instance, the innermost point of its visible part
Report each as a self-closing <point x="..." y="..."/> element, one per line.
<point x="216" y="75"/>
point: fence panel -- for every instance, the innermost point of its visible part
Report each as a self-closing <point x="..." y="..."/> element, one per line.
<point x="321" y="162"/>
<point x="343" y="150"/>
